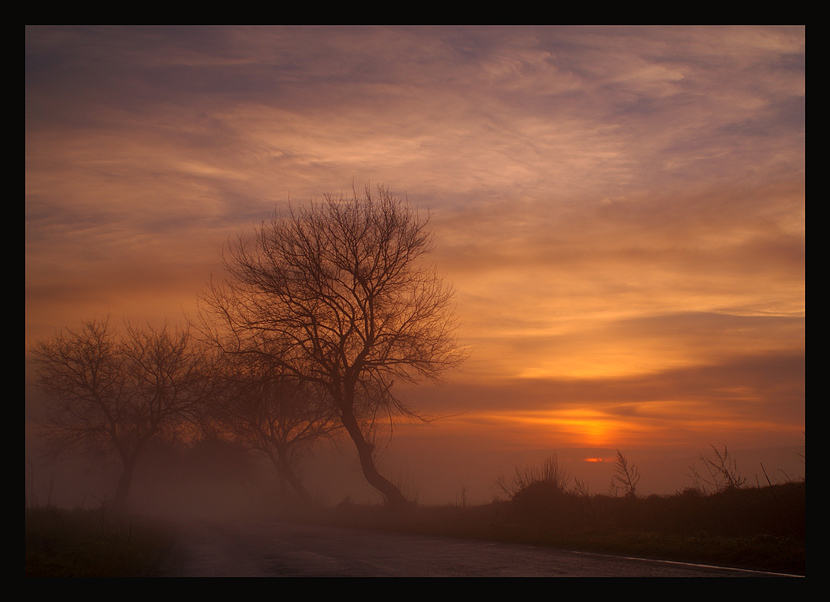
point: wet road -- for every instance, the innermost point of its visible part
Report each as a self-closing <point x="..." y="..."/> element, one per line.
<point x="276" y="549"/>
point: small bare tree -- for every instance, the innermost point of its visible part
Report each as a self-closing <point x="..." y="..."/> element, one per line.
<point x="337" y="294"/>
<point x="111" y="394"/>
<point x="278" y="416"/>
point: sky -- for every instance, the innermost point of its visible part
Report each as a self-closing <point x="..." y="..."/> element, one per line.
<point x="621" y="211"/>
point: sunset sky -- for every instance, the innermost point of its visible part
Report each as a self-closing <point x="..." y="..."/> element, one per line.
<point x="621" y="211"/>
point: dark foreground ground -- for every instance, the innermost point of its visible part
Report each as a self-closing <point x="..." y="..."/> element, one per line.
<point x="755" y="528"/>
<point x="759" y="529"/>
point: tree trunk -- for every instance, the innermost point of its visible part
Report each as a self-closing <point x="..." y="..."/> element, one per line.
<point x="365" y="450"/>
<point x="287" y="475"/>
<point x="119" y="504"/>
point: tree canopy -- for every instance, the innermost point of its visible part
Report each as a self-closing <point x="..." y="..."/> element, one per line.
<point x="111" y="393"/>
<point x="338" y="293"/>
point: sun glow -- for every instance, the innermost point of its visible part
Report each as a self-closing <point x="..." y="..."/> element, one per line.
<point x="610" y="359"/>
<point x="576" y="427"/>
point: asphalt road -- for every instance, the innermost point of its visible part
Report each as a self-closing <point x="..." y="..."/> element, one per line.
<point x="277" y="549"/>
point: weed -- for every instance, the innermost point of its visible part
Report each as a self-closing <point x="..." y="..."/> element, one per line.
<point x="625" y="477"/>
<point x="722" y="470"/>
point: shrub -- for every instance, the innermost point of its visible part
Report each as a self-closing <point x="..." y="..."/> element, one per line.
<point x="551" y="472"/>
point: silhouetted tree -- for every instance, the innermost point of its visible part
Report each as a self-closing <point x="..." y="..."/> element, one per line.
<point x="112" y="394"/>
<point x="276" y="415"/>
<point x="337" y="294"/>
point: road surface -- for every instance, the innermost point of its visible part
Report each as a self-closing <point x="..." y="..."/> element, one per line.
<point x="264" y="548"/>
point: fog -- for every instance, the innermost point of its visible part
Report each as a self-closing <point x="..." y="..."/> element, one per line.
<point x="224" y="480"/>
<point x="432" y="463"/>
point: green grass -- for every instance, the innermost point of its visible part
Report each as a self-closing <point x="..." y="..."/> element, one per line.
<point x="84" y="543"/>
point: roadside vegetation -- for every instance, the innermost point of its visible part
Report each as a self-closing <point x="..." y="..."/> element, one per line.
<point x="760" y="528"/>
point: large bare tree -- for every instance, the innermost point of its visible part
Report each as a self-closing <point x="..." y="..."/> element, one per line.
<point x="337" y="293"/>
<point x="110" y="393"/>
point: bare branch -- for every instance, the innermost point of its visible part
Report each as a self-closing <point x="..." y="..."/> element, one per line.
<point x="112" y="394"/>
<point x="337" y="293"/>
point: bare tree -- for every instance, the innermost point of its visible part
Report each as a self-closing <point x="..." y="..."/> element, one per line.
<point x="337" y="294"/>
<point x="111" y="394"/>
<point x="279" y="416"/>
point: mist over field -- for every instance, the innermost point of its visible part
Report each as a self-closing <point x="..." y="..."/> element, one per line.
<point x="228" y="481"/>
